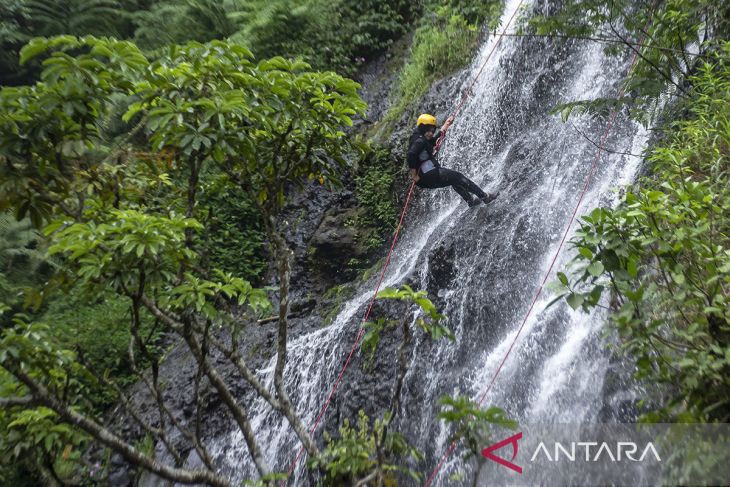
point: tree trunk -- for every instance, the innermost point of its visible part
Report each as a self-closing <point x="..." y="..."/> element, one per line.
<point x="283" y="256"/>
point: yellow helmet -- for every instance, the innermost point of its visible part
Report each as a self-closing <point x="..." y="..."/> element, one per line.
<point x="426" y="119"/>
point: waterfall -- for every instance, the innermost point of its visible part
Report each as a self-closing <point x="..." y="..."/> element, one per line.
<point x="506" y="141"/>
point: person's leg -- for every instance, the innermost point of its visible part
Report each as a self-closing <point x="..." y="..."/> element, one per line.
<point x="430" y="180"/>
<point x="440" y="178"/>
<point x="460" y="183"/>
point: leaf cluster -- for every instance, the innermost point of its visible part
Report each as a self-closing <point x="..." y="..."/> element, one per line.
<point x="34" y="433"/>
<point x="127" y="214"/>
<point x="374" y="190"/>
<point x="429" y="324"/>
<point x="361" y="452"/>
<point x="471" y="424"/>
<point x="664" y="253"/>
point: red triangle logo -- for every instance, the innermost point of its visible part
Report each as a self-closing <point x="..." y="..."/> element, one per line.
<point x="512" y="440"/>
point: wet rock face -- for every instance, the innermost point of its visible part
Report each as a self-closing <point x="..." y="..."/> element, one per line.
<point x="378" y="78"/>
<point x="441" y="271"/>
<point x="300" y="221"/>
<point x="336" y="241"/>
<point x="370" y="378"/>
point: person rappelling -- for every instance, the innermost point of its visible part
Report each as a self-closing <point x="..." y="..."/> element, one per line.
<point x="426" y="171"/>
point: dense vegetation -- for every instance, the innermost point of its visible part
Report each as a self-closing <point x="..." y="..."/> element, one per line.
<point x="663" y="254"/>
<point x="146" y="181"/>
<point x="338" y="35"/>
<point x="140" y="185"/>
<point x="127" y="216"/>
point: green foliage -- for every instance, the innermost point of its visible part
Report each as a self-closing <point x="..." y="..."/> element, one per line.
<point x="18" y="245"/>
<point x="234" y="233"/>
<point x="371" y="338"/>
<point x="50" y="131"/>
<point x="476" y="13"/>
<point x="131" y="239"/>
<point x="337" y="35"/>
<point x="201" y="295"/>
<point x="470" y="423"/>
<point x="443" y="43"/>
<point x="664" y="253"/>
<point x="22" y="20"/>
<point x="98" y="330"/>
<point x="374" y="190"/>
<point x="672" y="25"/>
<point x="34" y="434"/>
<point x="177" y="22"/>
<point x="430" y="324"/>
<point x="330" y="35"/>
<point x="75" y="17"/>
<point x="127" y="216"/>
<point x="40" y="426"/>
<point x="265" y="124"/>
<point x="365" y="452"/>
<point x="337" y="295"/>
<point x="23" y="262"/>
<point x="13" y="35"/>
<point x="266" y="480"/>
<point x="305" y="29"/>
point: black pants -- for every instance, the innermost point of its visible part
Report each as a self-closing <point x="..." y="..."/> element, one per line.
<point x="441" y="177"/>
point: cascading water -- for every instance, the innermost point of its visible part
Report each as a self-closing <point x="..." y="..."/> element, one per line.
<point x="504" y="140"/>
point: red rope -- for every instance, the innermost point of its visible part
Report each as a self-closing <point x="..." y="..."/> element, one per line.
<point x="604" y="138"/>
<point x="387" y="261"/>
<point x="467" y="92"/>
<point x="357" y="338"/>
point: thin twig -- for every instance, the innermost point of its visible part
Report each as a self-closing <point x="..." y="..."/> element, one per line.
<point x="600" y="147"/>
<point x="607" y="41"/>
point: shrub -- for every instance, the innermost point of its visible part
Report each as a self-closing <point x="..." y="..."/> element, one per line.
<point x="444" y="42"/>
<point x="664" y="253"/>
<point x="235" y="238"/>
<point x="375" y="193"/>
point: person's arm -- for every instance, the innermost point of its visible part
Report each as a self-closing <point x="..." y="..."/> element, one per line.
<point x="446" y="125"/>
<point x="413" y="162"/>
<point x="441" y="131"/>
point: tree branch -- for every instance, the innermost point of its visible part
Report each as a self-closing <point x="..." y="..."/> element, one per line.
<point x="607" y="40"/>
<point x="27" y="401"/>
<point x="294" y="420"/>
<point x="119" y="445"/>
<point x="651" y="63"/>
<point x="283" y="257"/>
<point x="239" y="414"/>
<point x="153" y="385"/>
<point x="583" y="134"/>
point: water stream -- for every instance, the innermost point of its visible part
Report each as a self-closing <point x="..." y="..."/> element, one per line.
<point x="505" y="140"/>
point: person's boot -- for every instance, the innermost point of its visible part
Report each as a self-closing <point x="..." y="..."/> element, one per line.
<point x="488" y="198"/>
<point x="474" y="202"/>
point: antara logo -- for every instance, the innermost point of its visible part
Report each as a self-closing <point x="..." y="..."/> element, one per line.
<point x="622" y="450"/>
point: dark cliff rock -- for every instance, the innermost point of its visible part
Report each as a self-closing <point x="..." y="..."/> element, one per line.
<point x="335" y="242"/>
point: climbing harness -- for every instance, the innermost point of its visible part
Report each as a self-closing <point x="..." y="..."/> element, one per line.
<point x="465" y="96"/>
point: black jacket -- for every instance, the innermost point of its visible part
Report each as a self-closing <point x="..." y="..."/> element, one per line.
<point x="420" y="150"/>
